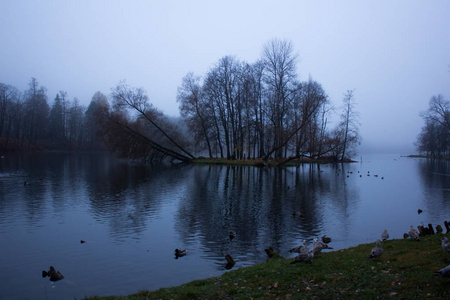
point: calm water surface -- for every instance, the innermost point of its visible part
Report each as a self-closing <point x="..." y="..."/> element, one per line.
<point x="132" y="217"/>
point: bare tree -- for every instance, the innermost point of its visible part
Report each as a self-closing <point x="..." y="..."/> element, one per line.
<point x="438" y="111"/>
<point x="195" y="110"/>
<point x="280" y="79"/>
<point x="307" y="103"/>
<point x="9" y="110"/>
<point x="221" y="88"/>
<point x="75" y="122"/>
<point x="65" y="110"/>
<point x="349" y="123"/>
<point x="257" y="108"/>
<point x="434" y="138"/>
<point x="36" y="111"/>
<point x="132" y="116"/>
<point x="56" y="120"/>
<point x="91" y="126"/>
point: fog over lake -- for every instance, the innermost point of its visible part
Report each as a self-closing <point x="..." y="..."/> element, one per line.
<point x="132" y="217"/>
<point x="393" y="54"/>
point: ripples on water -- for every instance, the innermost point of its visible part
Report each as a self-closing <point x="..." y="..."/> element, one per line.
<point x="133" y="217"/>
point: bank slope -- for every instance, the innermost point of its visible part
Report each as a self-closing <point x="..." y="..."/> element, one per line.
<point x="405" y="270"/>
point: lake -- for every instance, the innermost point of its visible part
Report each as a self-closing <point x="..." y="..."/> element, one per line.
<point x="132" y="217"/>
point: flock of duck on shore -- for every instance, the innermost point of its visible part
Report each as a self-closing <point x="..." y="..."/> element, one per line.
<point x="306" y="255"/>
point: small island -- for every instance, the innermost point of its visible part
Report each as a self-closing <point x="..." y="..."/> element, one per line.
<point x="238" y="111"/>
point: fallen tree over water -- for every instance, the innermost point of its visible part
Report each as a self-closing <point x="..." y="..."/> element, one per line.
<point x="133" y="128"/>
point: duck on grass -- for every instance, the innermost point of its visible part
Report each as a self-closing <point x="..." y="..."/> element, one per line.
<point x="406" y="270"/>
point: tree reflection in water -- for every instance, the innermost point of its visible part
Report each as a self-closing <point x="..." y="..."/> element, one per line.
<point x="132" y="217"/>
<point x="258" y="204"/>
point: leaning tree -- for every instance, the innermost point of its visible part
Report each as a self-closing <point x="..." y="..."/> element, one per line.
<point x="133" y="127"/>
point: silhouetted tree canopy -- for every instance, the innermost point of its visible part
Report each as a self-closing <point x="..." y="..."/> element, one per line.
<point x="434" y="139"/>
<point x="241" y="110"/>
<point x="237" y="110"/>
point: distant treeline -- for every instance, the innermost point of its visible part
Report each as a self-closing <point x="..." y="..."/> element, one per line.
<point x="434" y="139"/>
<point x="27" y="122"/>
<point x="237" y="110"/>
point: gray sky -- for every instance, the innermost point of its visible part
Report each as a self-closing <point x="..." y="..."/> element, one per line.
<point x="395" y="54"/>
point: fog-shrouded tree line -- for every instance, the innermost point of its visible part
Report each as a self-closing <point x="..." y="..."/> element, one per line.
<point x="27" y="121"/>
<point x="434" y="139"/>
<point x="237" y="110"/>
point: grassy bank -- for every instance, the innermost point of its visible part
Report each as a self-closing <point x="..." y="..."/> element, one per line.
<point x="405" y="270"/>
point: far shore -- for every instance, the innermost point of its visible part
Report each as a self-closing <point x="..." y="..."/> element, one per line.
<point x="271" y="162"/>
<point x="444" y="157"/>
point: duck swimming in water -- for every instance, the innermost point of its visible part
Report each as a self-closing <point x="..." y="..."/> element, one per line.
<point x="53" y="274"/>
<point x="326" y="239"/>
<point x="179" y="253"/>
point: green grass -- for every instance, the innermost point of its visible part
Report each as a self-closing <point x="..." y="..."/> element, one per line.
<point x="405" y="270"/>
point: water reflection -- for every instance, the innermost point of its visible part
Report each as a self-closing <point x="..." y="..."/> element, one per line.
<point x="259" y="205"/>
<point x="129" y="197"/>
<point x="133" y="217"/>
<point x="435" y="176"/>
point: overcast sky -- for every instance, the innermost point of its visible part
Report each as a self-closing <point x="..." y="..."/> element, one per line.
<point x="395" y="54"/>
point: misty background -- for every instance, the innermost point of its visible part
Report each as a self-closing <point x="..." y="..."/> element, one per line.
<point x="395" y="56"/>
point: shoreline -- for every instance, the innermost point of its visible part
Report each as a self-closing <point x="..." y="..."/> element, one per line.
<point x="443" y="157"/>
<point x="258" y="162"/>
<point x="405" y="270"/>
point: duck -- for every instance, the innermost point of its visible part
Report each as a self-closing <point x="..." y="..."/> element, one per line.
<point x="53" y="274"/>
<point x="305" y="256"/>
<point x="419" y="211"/>
<point x="298" y="249"/>
<point x="324" y="246"/>
<point x="326" y="239"/>
<point x="384" y="235"/>
<point x="376" y="251"/>
<point x="413" y="234"/>
<point x="232" y="235"/>
<point x="180" y="252"/>
<point x="230" y="262"/>
<point x="445" y="244"/>
<point x="445" y="272"/>
<point x="317" y="247"/>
